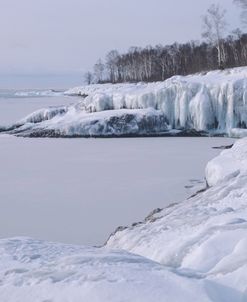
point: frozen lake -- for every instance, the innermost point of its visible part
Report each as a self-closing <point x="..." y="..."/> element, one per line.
<point x="80" y="190"/>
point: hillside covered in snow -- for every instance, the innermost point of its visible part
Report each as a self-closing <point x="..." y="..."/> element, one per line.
<point x="191" y="251"/>
<point x="213" y="103"/>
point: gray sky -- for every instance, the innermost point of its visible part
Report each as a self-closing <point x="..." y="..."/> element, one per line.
<point x="68" y="36"/>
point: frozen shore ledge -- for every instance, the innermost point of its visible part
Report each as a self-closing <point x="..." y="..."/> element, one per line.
<point x="192" y="251"/>
<point x="213" y="103"/>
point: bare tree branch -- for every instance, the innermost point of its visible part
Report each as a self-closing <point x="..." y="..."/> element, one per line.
<point x="99" y="68"/>
<point x="214" y="26"/>
<point x="88" y="78"/>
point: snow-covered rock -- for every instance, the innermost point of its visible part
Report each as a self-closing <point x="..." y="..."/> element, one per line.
<point x="229" y="164"/>
<point x="213" y="103"/>
<point x="214" y="100"/>
<point x="72" y="122"/>
<point x="204" y="237"/>
<point x="43" y="115"/>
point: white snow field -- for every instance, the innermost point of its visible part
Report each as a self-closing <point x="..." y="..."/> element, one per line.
<point x="36" y="271"/>
<point x="192" y="251"/>
<point x="206" y="103"/>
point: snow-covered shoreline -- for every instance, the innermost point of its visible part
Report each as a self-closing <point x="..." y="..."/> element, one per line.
<point x="213" y="103"/>
<point x="185" y="252"/>
<point x="193" y="249"/>
<point x="188" y="251"/>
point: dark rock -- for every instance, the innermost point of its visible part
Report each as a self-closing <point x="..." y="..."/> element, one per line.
<point x="223" y="147"/>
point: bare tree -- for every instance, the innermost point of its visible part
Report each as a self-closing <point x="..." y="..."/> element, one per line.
<point x="99" y="68"/>
<point x="243" y="5"/>
<point x="112" y="65"/>
<point x="161" y="62"/>
<point x="214" y="26"/>
<point x="88" y="77"/>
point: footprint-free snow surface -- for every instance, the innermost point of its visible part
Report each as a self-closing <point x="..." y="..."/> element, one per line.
<point x="192" y="251"/>
<point x="208" y="103"/>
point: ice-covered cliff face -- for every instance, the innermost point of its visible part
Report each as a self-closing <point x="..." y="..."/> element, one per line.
<point x="214" y="102"/>
<point x="205" y="237"/>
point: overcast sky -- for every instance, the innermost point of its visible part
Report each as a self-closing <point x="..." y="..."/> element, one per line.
<point x="68" y="36"/>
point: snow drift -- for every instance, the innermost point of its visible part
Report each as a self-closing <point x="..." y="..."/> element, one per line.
<point x="34" y="271"/>
<point x="211" y="103"/>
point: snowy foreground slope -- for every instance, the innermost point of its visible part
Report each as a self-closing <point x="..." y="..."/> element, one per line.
<point x="210" y="103"/>
<point x="192" y="251"/>
<point x="36" y="271"/>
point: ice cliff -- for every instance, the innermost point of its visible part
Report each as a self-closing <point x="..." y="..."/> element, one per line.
<point x="208" y="103"/>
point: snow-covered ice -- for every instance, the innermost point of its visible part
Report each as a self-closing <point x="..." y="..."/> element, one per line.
<point x="208" y="103"/>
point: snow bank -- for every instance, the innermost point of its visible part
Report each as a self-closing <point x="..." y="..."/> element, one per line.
<point x="205" y="237"/>
<point x="34" y="271"/>
<point x="213" y="103"/>
<point x="228" y="165"/>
